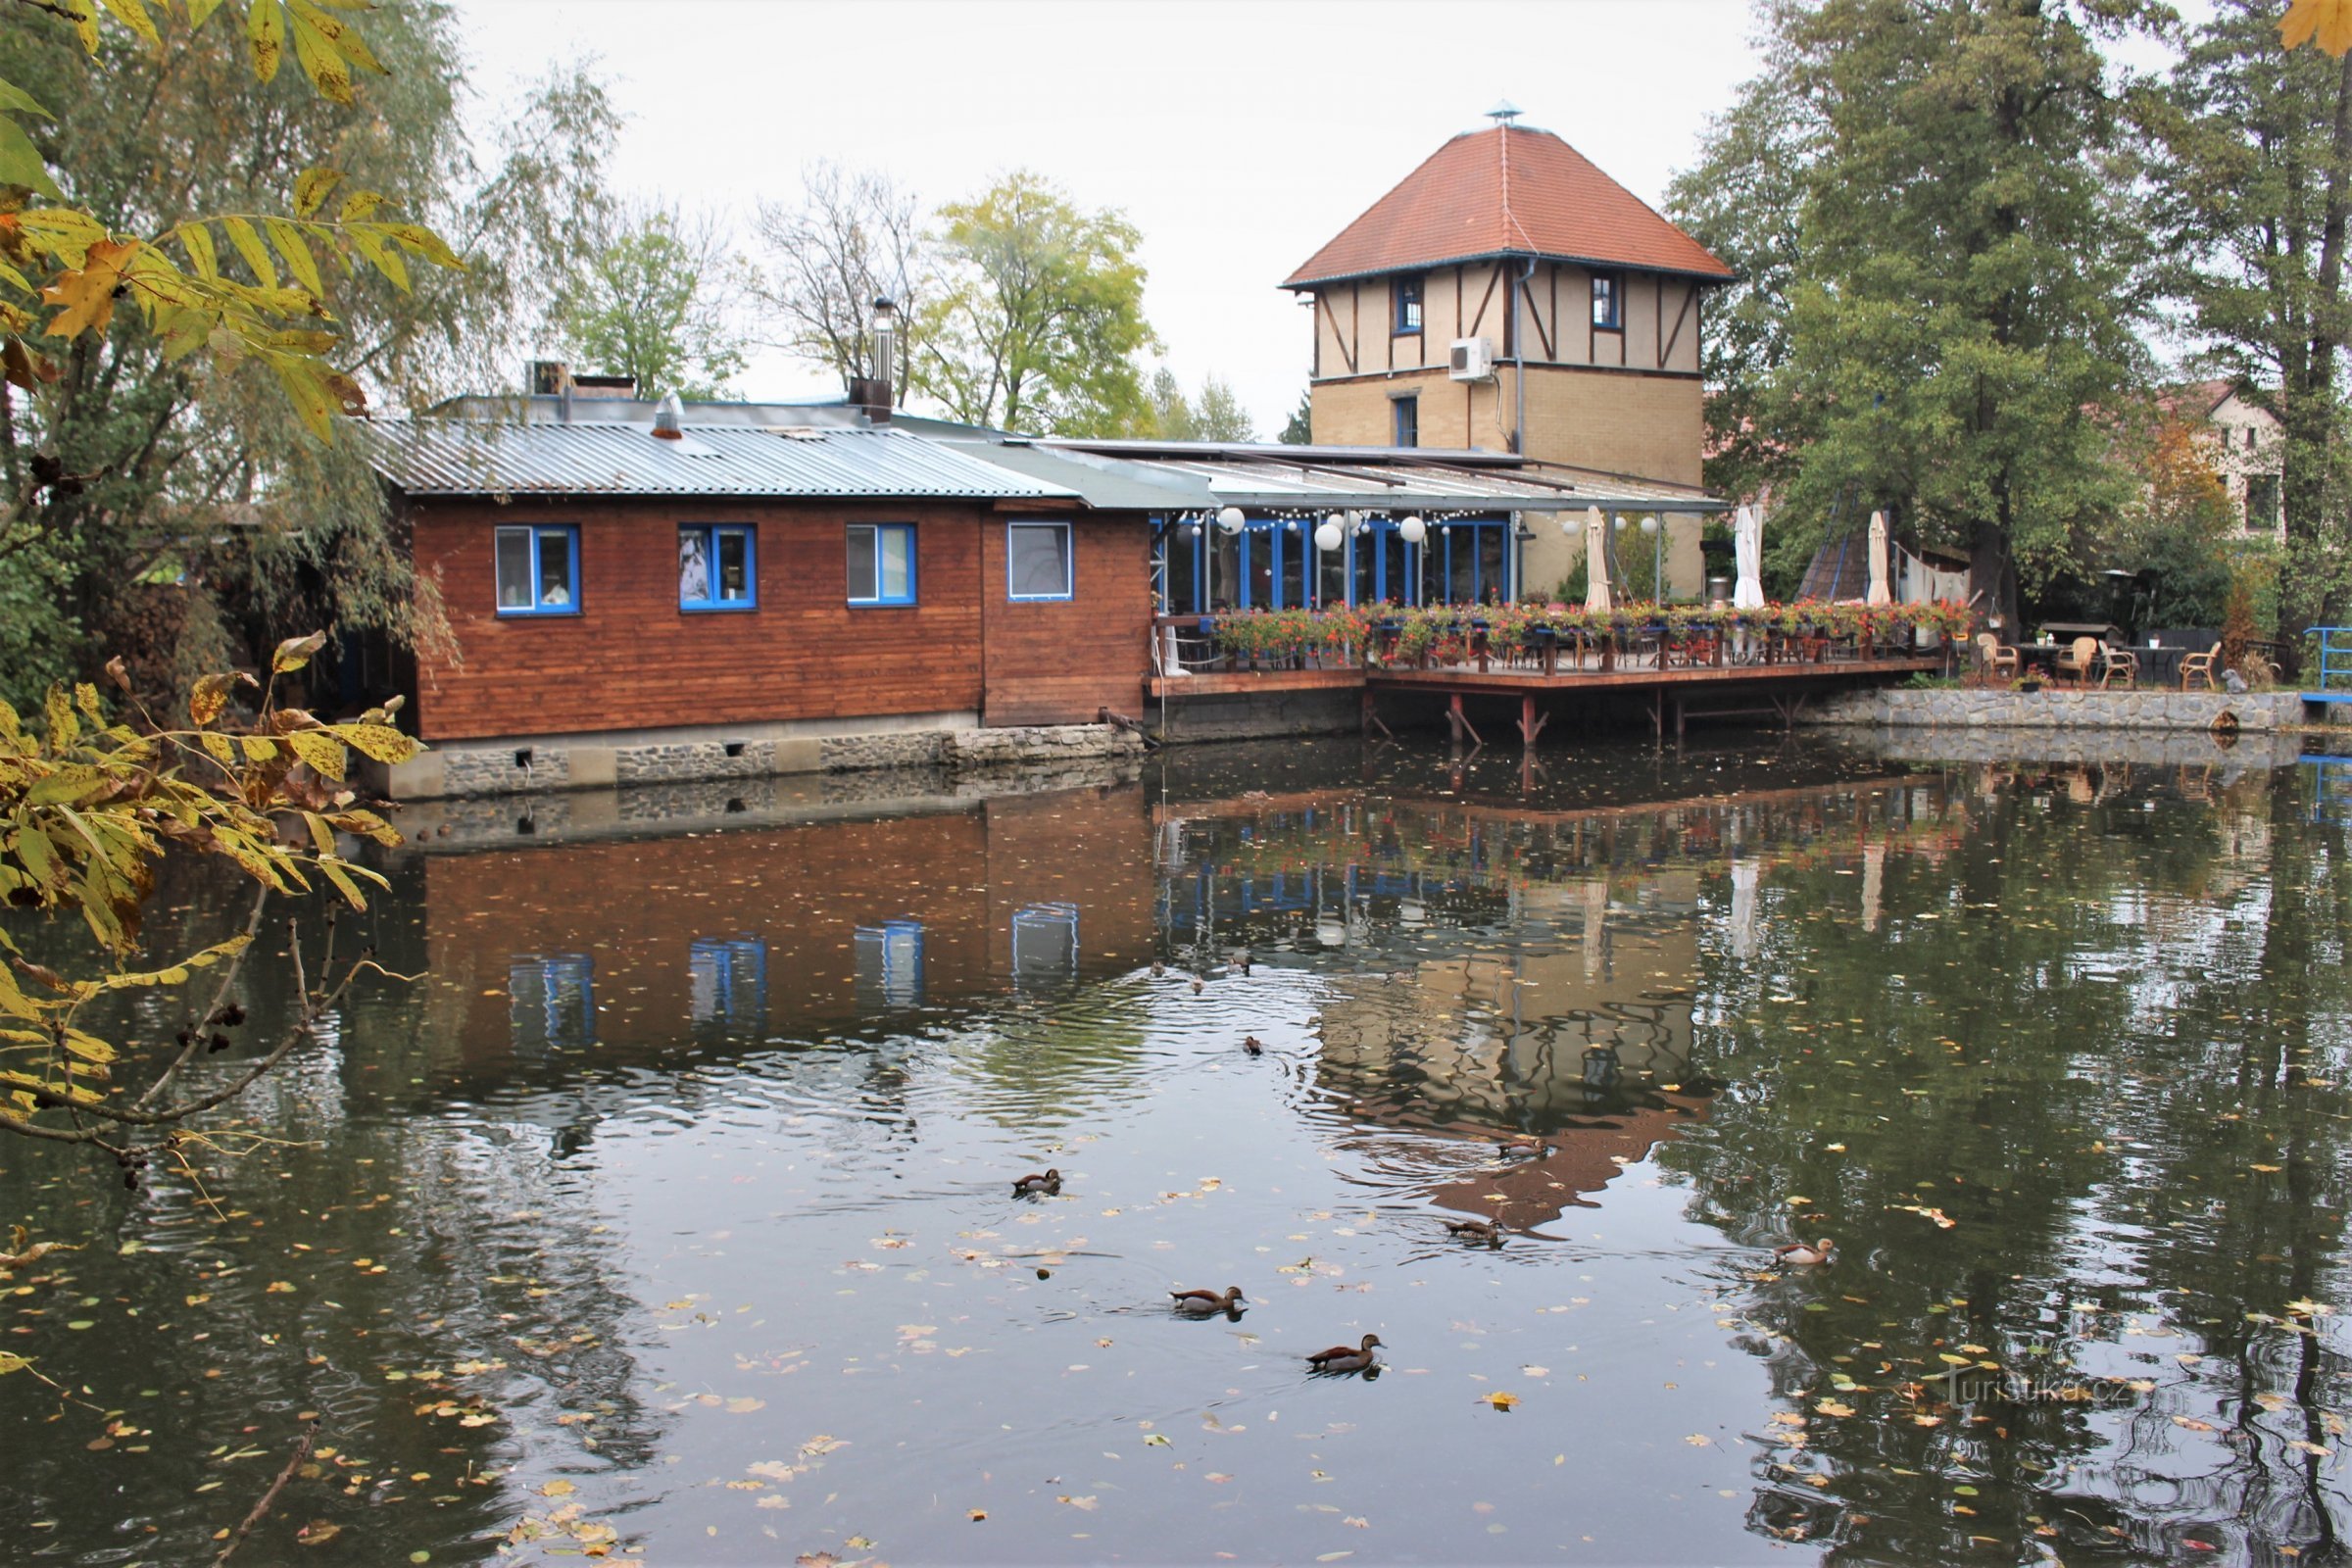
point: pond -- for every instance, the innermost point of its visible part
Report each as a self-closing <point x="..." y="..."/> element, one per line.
<point x="671" y="1213"/>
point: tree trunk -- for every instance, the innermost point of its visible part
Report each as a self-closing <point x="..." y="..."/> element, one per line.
<point x="2309" y="591"/>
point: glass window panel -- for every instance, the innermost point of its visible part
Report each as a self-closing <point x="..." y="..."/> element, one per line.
<point x="1260" y="573"/>
<point x="1491" y="541"/>
<point x="514" y="568"/>
<point x="727" y="983"/>
<point x="861" y="561"/>
<point x="897" y="567"/>
<point x="1461" y="566"/>
<point x="1294" y="548"/>
<point x="1224" y="568"/>
<point x="1039" y="560"/>
<point x="735" y="566"/>
<point x="694" y="566"/>
<point x="1395" y="556"/>
<point x="1184" y="573"/>
<point x="1367" y="569"/>
<point x="890" y="965"/>
<point x="1334" y="564"/>
<point x="554" y="567"/>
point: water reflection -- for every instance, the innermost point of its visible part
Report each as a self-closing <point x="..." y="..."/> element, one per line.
<point x="672" y="1204"/>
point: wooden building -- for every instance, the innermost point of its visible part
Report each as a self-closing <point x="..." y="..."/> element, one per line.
<point x="1508" y="295"/>
<point x="741" y="588"/>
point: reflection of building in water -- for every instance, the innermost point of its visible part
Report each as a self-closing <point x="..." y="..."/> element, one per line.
<point x="618" y="946"/>
<point x="1573" y="1170"/>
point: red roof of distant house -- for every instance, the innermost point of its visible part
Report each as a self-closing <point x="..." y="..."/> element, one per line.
<point x="2195" y="398"/>
<point x="1507" y="191"/>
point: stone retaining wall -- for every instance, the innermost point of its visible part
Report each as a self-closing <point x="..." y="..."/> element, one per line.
<point x="1992" y="707"/>
<point x="1256" y="715"/>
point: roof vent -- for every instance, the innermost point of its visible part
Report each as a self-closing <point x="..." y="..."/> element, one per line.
<point x="669" y="417"/>
<point x="1503" y="113"/>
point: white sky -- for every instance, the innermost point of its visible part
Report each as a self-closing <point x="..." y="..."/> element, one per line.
<point x="1238" y="137"/>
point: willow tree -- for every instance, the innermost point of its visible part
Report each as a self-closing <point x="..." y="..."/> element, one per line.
<point x="170" y="490"/>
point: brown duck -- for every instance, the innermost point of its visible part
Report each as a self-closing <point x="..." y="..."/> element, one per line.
<point x="1804" y="1253"/>
<point x="1483" y="1231"/>
<point x="1253" y="1044"/>
<point x="1208" y="1304"/>
<point x="1522" y="1146"/>
<point x="1346" y="1357"/>
<point x="1031" y="1186"/>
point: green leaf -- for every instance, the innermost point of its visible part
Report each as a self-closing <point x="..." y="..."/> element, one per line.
<point x="344" y="885"/>
<point x="359" y="205"/>
<point x="21" y="162"/>
<point x="426" y="243"/>
<point x="323" y="752"/>
<point x="296" y="652"/>
<point x="133" y="15"/>
<point x="265" y="33"/>
<point x="63" y="728"/>
<point x="249" y="245"/>
<point x="313" y="187"/>
<point x="15" y="100"/>
<point x="380" y="741"/>
<point x="197" y="241"/>
<point x="288" y="237"/>
<point x="321" y="60"/>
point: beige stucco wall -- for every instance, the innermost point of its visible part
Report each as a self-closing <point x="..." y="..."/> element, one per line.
<point x="1661" y="316"/>
<point x="2228" y="428"/>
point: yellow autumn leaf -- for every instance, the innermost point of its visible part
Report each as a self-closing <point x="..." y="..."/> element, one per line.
<point x="2327" y="22"/>
<point x="1500" y="1401"/>
<point x="88" y="293"/>
<point x="558" y="1489"/>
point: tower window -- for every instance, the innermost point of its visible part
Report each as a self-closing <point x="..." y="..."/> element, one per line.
<point x="1405" y="417"/>
<point x="1408" y="292"/>
<point x="1608" y="301"/>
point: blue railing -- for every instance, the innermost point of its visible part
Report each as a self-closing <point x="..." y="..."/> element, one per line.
<point x="2335" y="667"/>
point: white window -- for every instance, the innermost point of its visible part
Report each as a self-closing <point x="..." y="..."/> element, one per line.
<point x="1037" y="560"/>
<point x="881" y="563"/>
<point x="538" y="571"/>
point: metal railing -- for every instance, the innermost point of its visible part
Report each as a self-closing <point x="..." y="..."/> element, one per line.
<point x="2335" y="664"/>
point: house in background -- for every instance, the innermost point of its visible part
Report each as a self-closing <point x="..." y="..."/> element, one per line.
<point x="2244" y="445"/>
<point x="1507" y="295"/>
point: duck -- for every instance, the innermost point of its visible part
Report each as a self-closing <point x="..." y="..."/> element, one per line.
<point x="1804" y="1253"/>
<point x="1199" y="985"/>
<point x="1521" y="1146"/>
<point x="1031" y="1186"/>
<point x="1208" y="1304"/>
<point x="1484" y="1231"/>
<point x="1346" y="1357"/>
<point x="1253" y="1044"/>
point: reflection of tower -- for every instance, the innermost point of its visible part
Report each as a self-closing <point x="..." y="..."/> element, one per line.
<point x="1874" y="882"/>
<point x="1596" y="928"/>
<point x="1743" y="907"/>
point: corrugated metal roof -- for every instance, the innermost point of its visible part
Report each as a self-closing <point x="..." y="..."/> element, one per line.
<point x="466" y="457"/>
<point x="1277" y="483"/>
<point x="1510" y="191"/>
<point x="1106" y="484"/>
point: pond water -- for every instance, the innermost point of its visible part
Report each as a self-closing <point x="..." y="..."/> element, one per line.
<point x="671" y="1212"/>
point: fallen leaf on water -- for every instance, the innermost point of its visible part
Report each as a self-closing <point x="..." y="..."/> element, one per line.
<point x="1500" y="1400"/>
<point x="858" y="1544"/>
<point x="1157" y="1439"/>
<point x="319" y="1532"/>
<point x="1833" y="1408"/>
<point x="2192" y="1423"/>
<point x="810" y="1559"/>
<point x="775" y="1500"/>
<point x="745" y="1405"/>
<point x="1700" y="1440"/>
<point x="558" y="1489"/>
<point x="978" y="1514"/>
<point x="1085" y="1503"/>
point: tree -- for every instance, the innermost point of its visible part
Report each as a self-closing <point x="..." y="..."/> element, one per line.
<point x="853" y="238"/>
<point x="168" y="493"/>
<point x="656" y="297"/>
<point x="2249" y="191"/>
<point x="1037" y="316"/>
<point x="1299" y="429"/>
<point x="1220" y="415"/>
<point x="1172" y="418"/>
<point x="1959" y="284"/>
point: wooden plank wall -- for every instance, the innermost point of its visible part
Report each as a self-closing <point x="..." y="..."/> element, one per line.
<point x="1063" y="663"/>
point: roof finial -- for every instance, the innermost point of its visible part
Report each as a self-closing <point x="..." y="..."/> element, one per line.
<point x="1504" y="112"/>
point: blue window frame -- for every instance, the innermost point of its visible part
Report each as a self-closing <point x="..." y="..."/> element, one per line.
<point x="1406" y="292"/>
<point x="1404" y="418"/>
<point x="538" y="570"/>
<point x="881" y="563"/>
<point x="717" y="566"/>
<point x="1608" y="301"/>
<point x="1036" y="562"/>
<point x="726" y="982"/>
<point x="551" y="1001"/>
<point x="890" y="965"/>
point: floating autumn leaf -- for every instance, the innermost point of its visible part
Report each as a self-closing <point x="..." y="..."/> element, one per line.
<point x="558" y="1489"/>
<point x="1499" y="1399"/>
<point x="317" y="1533"/>
<point x="745" y="1405"/>
<point x="1833" y="1408"/>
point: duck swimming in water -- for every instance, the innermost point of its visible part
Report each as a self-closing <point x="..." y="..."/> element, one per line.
<point x="1346" y="1357"/>
<point x="1208" y="1304"/>
<point x="1804" y="1253"/>
<point x="1030" y="1185"/>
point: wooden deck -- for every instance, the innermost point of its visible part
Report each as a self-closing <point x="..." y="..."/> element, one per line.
<point x="1676" y="694"/>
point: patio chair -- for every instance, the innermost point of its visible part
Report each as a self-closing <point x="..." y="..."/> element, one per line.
<point x="2078" y="660"/>
<point x="1998" y="659"/>
<point x="2199" y="666"/>
<point x="2114" y="662"/>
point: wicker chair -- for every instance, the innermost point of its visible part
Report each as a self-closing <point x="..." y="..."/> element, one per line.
<point x="2199" y="666"/>
<point x="2078" y="660"/>
<point x="1999" y="660"/>
<point x="2114" y="662"/>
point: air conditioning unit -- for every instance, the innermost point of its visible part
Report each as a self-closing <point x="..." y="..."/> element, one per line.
<point x="1473" y="358"/>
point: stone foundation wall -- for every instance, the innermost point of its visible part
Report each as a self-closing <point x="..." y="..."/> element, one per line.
<point x="462" y="772"/>
<point x="1967" y="708"/>
<point x="1256" y="715"/>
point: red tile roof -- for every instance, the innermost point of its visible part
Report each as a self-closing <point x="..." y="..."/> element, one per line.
<point x="1510" y="190"/>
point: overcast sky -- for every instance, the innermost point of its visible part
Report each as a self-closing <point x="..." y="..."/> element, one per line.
<point x="1238" y="137"/>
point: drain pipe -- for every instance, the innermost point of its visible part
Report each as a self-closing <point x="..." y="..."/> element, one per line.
<point x="1519" y="360"/>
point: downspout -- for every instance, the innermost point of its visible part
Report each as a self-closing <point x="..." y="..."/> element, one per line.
<point x="1519" y="418"/>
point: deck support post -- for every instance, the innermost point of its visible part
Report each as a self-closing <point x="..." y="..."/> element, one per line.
<point x="1531" y="722"/>
<point x="1459" y="722"/>
<point x="1372" y="720"/>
